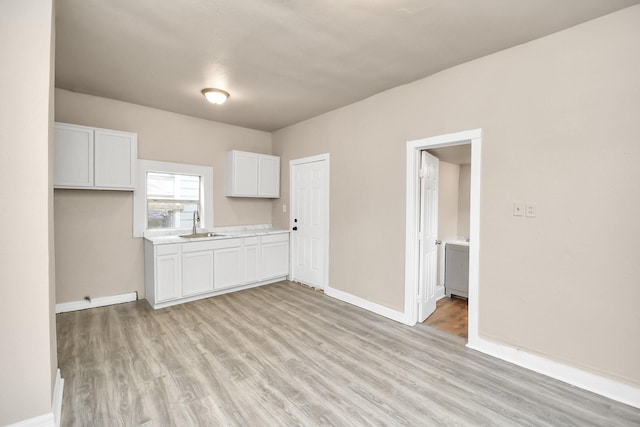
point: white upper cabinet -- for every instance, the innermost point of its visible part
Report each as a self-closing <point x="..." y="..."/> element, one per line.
<point x="252" y="175"/>
<point x="73" y="156"/>
<point x="241" y="174"/>
<point x="92" y="158"/>
<point x="268" y="176"/>
<point x="115" y="155"/>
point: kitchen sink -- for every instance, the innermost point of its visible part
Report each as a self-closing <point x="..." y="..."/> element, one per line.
<point x="201" y="235"/>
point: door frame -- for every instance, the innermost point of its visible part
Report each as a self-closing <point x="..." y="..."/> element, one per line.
<point x="412" y="258"/>
<point x="304" y="160"/>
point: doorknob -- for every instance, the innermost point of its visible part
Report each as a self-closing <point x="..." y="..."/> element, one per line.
<point x="438" y="242"/>
<point x="295" y="228"/>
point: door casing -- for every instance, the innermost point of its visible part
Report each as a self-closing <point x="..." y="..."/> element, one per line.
<point x="412" y="258"/>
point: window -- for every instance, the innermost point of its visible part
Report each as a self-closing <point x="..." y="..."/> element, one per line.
<point x="171" y="200"/>
<point x="168" y="194"/>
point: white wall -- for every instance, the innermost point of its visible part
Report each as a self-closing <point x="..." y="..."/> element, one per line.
<point x="27" y="322"/>
<point x="560" y="129"/>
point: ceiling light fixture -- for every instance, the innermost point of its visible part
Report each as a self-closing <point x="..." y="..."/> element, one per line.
<point x="215" y="96"/>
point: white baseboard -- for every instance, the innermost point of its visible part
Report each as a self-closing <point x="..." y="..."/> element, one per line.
<point x="95" y="302"/>
<point x="439" y="294"/>
<point x="50" y="419"/>
<point x="56" y="404"/>
<point x="621" y="392"/>
<point x="45" y="420"/>
<point x="398" y="316"/>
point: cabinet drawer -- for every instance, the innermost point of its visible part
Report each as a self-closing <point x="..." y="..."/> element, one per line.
<point x="211" y="244"/>
<point x="168" y="249"/>
<point x="273" y="238"/>
<point x="250" y="240"/>
<point x="206" y="245"/>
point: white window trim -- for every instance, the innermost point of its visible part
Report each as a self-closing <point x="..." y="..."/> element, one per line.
<point x="140" y="194"/>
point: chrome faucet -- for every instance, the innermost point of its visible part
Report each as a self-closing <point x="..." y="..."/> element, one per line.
<point x="196" y="221"/>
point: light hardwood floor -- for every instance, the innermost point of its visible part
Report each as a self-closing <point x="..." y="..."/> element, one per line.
<point x="286" y="355"/>
<point x="451" y="315"/>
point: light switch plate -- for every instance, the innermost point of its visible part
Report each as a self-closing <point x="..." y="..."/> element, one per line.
<point x="518" y="209"/>
<point x="531" y="211"/>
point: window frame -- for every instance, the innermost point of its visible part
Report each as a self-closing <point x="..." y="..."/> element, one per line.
<point x="140" y="195"/>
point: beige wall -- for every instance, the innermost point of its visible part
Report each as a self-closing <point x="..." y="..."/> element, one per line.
<point x="464" y="199"/>
<point x="560" y="129"/>
<point x="50" y="209"/>
<point x="27" y="324"/>
<point x="448" y="184"/>
<point x="96" y="254"/>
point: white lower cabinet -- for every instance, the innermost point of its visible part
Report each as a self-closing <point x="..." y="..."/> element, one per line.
<point x="227" y="262"/>
<point x="197" y="272"/>
<point x="181" y="272"/>
<point x="168" y="267"/>
<point x="274" y="256"/>
<point x="251" y="260"/>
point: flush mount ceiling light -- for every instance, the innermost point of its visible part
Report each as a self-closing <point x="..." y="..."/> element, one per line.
<point x="215" y="96"/>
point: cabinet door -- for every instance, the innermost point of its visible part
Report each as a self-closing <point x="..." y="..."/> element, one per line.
<point x="115" y="155"/>
<point x="274" y="260"/>
<point x="73" y="156"/>
<point x="167" y="277"/>
<point x="244" y="174"/>
<point x="251" y="265"/>
<point x="456" y="270"/>
<point x="227" y="267"/>
<point x="268" y="176"/>
<point x="197" y="272"/>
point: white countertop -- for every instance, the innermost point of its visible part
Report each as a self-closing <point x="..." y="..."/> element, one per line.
<point x="165" y="237"/>
<point x="458" y="241"/>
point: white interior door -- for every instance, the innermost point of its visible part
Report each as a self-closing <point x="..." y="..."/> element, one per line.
<point x="309" y="222"/>
<point x="428" y="235"/>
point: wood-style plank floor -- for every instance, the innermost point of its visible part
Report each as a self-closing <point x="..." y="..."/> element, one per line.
<point x="286" y="355"/>
<point x="451" y="315"/>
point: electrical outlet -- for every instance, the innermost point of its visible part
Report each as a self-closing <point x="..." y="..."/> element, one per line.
<point x="518" y="209"/>
<point x="531" y="211"/>
<point x="284" y="208"/>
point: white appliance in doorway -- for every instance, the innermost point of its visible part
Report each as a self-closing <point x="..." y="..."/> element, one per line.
<point x="309" y="220"/>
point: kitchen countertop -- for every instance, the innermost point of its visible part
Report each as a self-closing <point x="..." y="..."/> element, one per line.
<point x="166" y="237"/>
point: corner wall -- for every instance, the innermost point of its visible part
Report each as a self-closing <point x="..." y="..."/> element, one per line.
<point x="27" y="324"/>
<point x="560" y="130"/>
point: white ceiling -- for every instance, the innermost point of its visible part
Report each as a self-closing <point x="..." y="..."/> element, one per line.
<point x="457" y="154"/>
<point x="284" y="61"/>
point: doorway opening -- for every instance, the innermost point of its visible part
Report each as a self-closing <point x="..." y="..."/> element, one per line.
<point x="420" y="299"/>
<point x="452" y="244"/>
